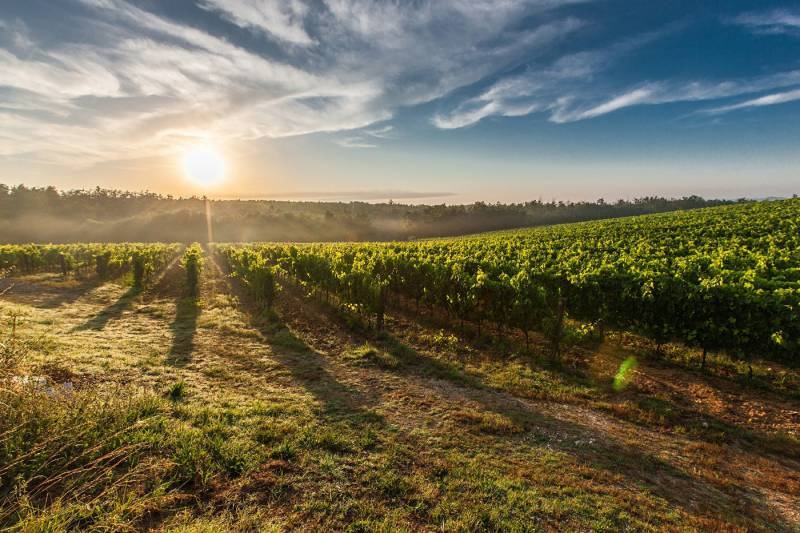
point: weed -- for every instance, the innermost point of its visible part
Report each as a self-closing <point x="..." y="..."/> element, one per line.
<point x="369" y="355"/>
<point x="285" y="451"/>
<point x="177" y="390"/>
<point x="321" y="438"/>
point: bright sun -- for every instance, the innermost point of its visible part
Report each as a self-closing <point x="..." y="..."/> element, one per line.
<point x="204" y="166"/>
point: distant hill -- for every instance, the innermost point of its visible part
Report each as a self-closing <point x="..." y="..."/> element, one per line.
<point x="100" y="215"/>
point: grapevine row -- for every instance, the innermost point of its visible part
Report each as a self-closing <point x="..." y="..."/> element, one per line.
<point x="143" y="260"/>
<point x="725" y="279"/>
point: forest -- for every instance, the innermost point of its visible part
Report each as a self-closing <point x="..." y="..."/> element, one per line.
<point x="31" y="214"/>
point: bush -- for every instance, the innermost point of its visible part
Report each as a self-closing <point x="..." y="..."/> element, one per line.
<point x="192" y="262"/>
<point x="139" y="270"/>
<point x="102" y="264"/>
<point x="258" y="274"/>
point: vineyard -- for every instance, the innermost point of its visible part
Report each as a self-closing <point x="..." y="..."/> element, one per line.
<point x="633" y="374"/>
<point x="141" y="260"/>
<point x="724" y="279"/>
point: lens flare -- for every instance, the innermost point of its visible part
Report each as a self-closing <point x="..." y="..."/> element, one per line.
<point x="625" y="373"/>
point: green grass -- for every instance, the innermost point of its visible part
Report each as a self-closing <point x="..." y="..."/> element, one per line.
<point x="367" y="355"/>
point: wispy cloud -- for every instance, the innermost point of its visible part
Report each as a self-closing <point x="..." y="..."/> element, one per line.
<point x="280" y="19"/>
<point x="634" y="97"/>
<point x="572" y="89"/>
<point x="352" y="64"/>
<point x="552" y="88"/>
<point x="356" y="142"/>
<point x="771" y="22"/>
<point x="770" y="99"/>
<point x="384" y="132"/>
<point x="672" y="92"/>
<point x="367" y="137"/>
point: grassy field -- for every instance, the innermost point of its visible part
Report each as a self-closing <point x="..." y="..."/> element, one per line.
<point x="160" y="410"/>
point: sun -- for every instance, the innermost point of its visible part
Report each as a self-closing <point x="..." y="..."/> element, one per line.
<point x="204" y="166"/>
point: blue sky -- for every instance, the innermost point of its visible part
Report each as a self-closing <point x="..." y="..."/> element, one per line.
<point x="447" y="100"/>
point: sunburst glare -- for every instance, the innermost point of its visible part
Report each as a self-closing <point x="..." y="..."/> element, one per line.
<point x="204" y="166"/>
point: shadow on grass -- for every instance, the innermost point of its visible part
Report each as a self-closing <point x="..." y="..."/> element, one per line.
<point x="605" y="452"/>
<point x="649" y="411"/>
<point x="48" y="293"/>
<point x="713" y="495"/>
<point x="112" y="312"/>
<point x="403" y="357"/>
<point x="307" y="368"/>
<point x="596" y="446"/>
<point x="398" y="356"/>
<point x="717" y="496"/>
<point x="578" y="381"/>
<point x="183" y="327"/>
<point x="70" y="294"/>
<point x="564" y="382"/>
<point x="646" y="408"/>
<point x="115" y="310"/>
<point x="311" y="370"/>
<point x="496" y="348"/>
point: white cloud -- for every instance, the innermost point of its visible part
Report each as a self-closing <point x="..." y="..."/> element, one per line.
<point x="775" y="21"/>
<point x="384" y="132"/>
<point x="355" y="142"/>
<point x="61" y="74"/>
<point x="634" y="97"/>
<point x="695" y="91"/>
<point x="770" y="99"/>
<point x="467" y="116"/>
<point x="363" y="60"/>
<point x="539" y="89"/>
<point x="367" y="137"/>
<point x="281" y="19"/>
<point x="572" y="88"/>
<point x="139" y="83"/>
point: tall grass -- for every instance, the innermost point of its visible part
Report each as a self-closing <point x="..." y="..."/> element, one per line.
<point x="70" y="459"/>
<point x="104" y="458"/>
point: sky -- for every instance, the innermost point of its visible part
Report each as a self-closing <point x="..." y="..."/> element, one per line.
<point x="440" y="101"/>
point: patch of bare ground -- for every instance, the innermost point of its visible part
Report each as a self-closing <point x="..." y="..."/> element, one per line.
<point x="759" y="410"/>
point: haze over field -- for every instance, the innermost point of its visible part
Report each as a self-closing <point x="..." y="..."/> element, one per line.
<point x="422" y="102"/>
<point x="46" y="215"/>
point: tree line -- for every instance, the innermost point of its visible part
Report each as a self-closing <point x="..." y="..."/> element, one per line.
<point x="45" y="214"/>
